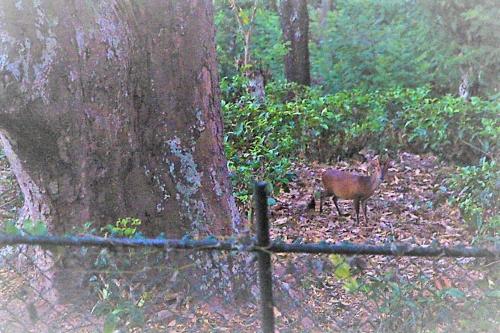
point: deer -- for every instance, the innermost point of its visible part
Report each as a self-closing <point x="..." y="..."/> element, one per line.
<point x="345" y="185"/>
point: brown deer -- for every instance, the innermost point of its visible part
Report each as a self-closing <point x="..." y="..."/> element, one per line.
<point x="345" y="185"/>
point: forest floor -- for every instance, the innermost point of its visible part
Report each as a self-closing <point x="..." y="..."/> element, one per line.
<point x="411" y="206"/>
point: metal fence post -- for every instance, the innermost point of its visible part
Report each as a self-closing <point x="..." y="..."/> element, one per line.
<point x="264" y="258"/>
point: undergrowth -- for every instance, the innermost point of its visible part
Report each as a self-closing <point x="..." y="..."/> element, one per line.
<point x="263" y="140"/>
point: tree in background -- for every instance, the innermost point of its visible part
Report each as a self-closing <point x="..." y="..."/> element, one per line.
<point x="115" y="113"/>
<point x="324" y="9"/>
<point x="245" y="16"/>
<point x="378" y="44"/>
<point x="255" y="74"/>
<point x="271" y="5"/>
<point x="471" y="30"/>
<point x="295" y="26"/>
<point x="266" y="47"/>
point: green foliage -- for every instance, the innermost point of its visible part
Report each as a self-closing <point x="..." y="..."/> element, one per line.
<point x="375" y="45"/>
<point x="476" y="192"/>
<point x="264" y="139"/>
<point x="259" y="140"/>
<point x="396" y="300"/>
<point x="35" y="228"/>
<point x="343" y="272"/>
<point x="448" y="126"/>
<point x="471" y="32"/>
<point x="378" y="44"/>
<point x="417" y="305"/>
<point x="29" y="228"/>
<point x="114" y="302"/>
<point x="124" y="227"/>
<point x="10" y="228"/>
<point x="266" y="46"/>
<point x="117" y="310"/>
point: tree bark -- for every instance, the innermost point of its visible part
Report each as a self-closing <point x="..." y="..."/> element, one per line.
<point x="468" y="83"/>
<point x="110" y="109"/>
<point x="295" y="26"/>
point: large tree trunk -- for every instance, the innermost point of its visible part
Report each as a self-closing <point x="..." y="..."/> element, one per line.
<point x="295" y="27"/>
<point x="110" y="109"/>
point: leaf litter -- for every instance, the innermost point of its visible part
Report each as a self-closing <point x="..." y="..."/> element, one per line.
<point x="409" y="207"/>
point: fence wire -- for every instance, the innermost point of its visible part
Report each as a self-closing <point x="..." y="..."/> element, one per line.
<point x="134" y="289"/>
<point x="149" y="285"/>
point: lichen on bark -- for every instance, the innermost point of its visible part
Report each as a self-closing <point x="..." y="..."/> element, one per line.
<point x="112" y="112"/>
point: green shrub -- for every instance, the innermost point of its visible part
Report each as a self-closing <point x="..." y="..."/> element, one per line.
<point x="417" y="305"/>
<point x="376" y="44"/>
<point x="451" y="127"/>
<point x="476" y="192"/>
<point x="124" y="227"/>
<point x="263" y="139"/>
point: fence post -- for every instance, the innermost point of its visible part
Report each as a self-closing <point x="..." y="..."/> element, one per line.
<point x="264" y="258"/>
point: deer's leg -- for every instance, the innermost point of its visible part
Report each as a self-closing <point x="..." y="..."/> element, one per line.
<point x="364" y="211"/>
<point x="356" y="208"/>
<point x="337" y="205"/>
<point x="322" y="196"/>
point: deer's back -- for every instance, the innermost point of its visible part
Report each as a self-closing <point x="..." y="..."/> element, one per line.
<point x="346" y="185"/>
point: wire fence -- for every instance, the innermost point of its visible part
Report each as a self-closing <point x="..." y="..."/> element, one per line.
<point x="132" y="283"/>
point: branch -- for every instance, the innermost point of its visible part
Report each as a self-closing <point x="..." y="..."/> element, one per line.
<point x="213" y="244"/>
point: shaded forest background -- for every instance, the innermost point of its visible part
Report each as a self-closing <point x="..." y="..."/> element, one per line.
<point x="374" y="44"/>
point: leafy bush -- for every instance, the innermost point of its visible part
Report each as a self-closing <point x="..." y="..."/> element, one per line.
<point x="418" y="302"/>
<point x="418" y="305"/>
<point x="112" y="281"/>
<point x="124" y="227"/>
<point x="476" y="192"/>
<point x="449" y="126"/>
<point x="27" y="228"/>
<point x="264" y="139"/>
<point x="375" y="45"/>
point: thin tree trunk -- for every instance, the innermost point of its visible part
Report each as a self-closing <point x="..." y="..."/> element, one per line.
<point x="272" y="5"/>
<point x="468" y="83"/>
<point x="295" y="27"/>
<point x="326" y="7"/>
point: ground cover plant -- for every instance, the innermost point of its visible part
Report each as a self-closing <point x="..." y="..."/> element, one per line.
<point x="298" y="123"/>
